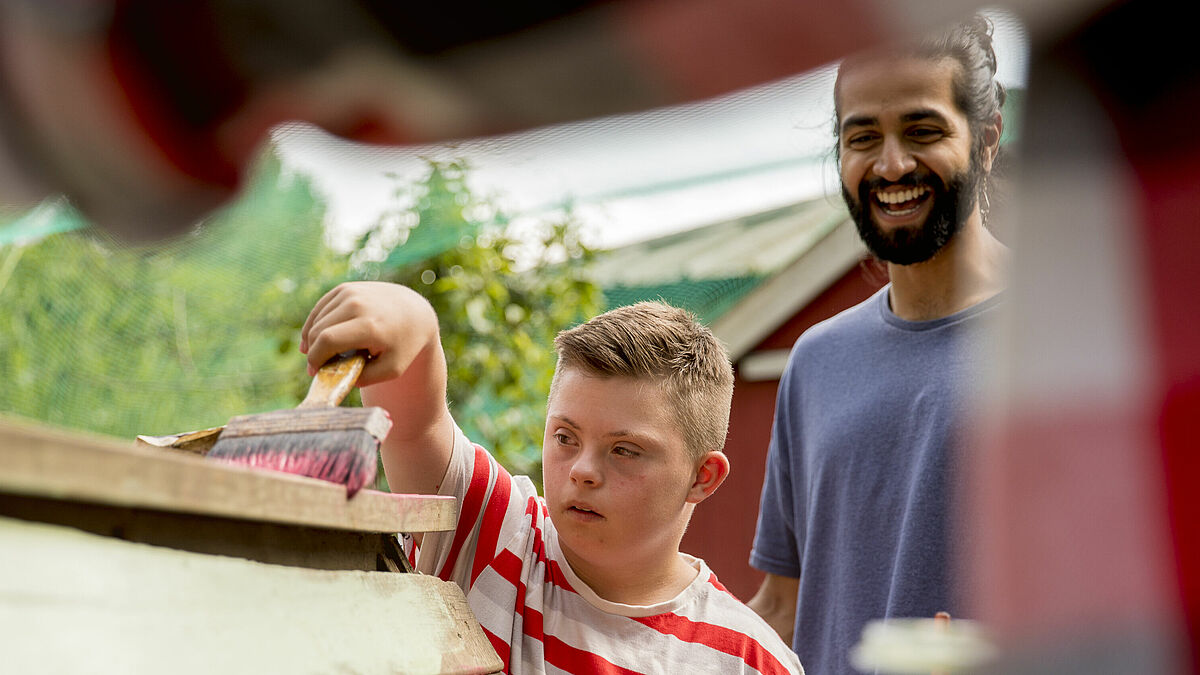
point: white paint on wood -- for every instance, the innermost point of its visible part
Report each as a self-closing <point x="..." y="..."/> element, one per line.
<point x="72" y="602"/>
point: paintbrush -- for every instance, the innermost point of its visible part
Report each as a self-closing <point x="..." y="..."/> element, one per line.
<point x="317" y="438"/>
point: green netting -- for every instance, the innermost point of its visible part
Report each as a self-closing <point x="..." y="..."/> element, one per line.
<point x="425" y="243"/>
<point x="708" y="299"/>
<point x="99" y="335"/>
<point x="440" y="204"/>
<point x="50" y="217"/>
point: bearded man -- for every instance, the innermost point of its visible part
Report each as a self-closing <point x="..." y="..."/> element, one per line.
<point x="855" y="520"/>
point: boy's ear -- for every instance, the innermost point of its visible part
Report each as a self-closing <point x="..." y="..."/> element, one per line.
<point x="710" y="473"/>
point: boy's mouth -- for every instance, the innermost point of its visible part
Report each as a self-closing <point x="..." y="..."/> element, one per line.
<point x="583" y="511"/>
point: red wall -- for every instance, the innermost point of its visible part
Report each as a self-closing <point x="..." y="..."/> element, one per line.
<point x="722" y="528"/>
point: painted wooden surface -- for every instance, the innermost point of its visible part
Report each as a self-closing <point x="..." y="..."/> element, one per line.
<point x="74" y="602"/>
<point x="37" y="461"/>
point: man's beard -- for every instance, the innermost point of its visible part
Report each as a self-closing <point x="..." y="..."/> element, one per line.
<point x="952" y="204"/>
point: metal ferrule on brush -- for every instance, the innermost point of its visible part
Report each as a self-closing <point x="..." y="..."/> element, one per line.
<point x="374" y="421"/>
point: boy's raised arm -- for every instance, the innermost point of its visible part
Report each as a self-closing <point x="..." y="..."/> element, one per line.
<point x="406" y="374"/>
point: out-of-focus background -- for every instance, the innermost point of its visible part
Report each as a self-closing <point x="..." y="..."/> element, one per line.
<point x="711" y="205"/>
<point x="525" y="171"/>
<point x="522" y="235"/>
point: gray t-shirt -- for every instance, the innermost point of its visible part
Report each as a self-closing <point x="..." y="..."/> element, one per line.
<point x="860" y="472"/>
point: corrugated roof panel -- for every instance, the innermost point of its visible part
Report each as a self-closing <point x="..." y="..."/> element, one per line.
<point x="755" y="245"/>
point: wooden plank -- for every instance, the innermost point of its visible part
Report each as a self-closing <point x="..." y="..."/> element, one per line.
<point x="54" y="463"/>
<point x="72" y="602"/>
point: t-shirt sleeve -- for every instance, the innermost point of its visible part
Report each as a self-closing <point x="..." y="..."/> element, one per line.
<point x="779" y="535"/>
<point x="489" y="506"/>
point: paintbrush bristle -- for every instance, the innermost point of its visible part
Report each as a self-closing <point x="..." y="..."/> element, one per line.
<point x="345" y="457"/>
<point x="334" y="444"/>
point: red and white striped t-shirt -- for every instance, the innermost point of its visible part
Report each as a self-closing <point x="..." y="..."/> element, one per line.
<point x="542" y="619"/>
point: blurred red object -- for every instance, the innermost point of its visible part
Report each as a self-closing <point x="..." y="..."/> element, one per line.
<point x="147" y="113"/>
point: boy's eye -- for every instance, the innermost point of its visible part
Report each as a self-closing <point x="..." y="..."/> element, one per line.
<point x="562" y="439"/>
<point x="625" y="451"/>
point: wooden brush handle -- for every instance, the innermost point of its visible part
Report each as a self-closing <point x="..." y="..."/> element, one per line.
<point x="334" y="380"/>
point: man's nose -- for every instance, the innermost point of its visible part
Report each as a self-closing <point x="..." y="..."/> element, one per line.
<point x="894" y="160"/>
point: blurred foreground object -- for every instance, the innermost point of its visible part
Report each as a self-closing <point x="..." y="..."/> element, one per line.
<point x="1087" y="512"/>
<point x="146" y="113"/>
<point x="918" y="646"/>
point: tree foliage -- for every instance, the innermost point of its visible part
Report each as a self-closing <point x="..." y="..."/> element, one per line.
<point x="500" y="301"/>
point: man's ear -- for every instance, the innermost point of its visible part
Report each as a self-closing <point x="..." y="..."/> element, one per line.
<point x="712" y="470"/>
<point x="991" y="141"/>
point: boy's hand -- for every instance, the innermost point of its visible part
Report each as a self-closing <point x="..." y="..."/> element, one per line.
<point x="391" y="322"/>
<point x="406" y="374"/>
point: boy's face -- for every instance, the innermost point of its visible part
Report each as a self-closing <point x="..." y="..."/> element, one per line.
<point x="616" y="471"/>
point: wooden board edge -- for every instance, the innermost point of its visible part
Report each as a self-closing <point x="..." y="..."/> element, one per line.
<point x="56" y="463"/>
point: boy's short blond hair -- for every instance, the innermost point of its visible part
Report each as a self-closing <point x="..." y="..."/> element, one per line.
<point x="653" y="340"/>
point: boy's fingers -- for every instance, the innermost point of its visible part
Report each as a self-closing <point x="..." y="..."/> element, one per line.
<point x="352" y="332"/>
<point x="333" y="334"/>
<point x="329" y="341"/>
<point x="313" y="315"/>
<point x="349" y="318"/>
<point x="332" y="316"/>
<point x="319" y="310"/>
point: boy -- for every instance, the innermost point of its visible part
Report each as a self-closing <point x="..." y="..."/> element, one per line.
<point x="590" y="578"/>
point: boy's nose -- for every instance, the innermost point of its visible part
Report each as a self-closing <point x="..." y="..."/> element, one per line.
<point x="585" y="471"/>
<point x="894" y="160"/>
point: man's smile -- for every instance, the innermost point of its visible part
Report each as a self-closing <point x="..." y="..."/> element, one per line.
<point x="903" y="201"/>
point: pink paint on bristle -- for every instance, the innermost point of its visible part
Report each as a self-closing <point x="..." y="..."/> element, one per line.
<point x="352" y="464"/>
<point x="307" y="444"/>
